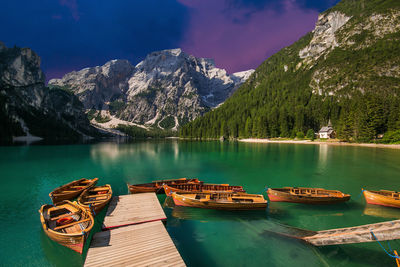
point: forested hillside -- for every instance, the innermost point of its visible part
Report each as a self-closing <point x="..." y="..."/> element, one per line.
<point x="346" y="70"/>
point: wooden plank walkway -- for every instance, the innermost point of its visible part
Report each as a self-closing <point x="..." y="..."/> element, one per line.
<point x="383" y="231"/>
<point x="133" y="209"/>
<point x="135" y="235"/>
<point x="146" y="244"/>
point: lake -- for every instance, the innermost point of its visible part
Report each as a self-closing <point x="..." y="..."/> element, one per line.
<point x="205" y="237"/>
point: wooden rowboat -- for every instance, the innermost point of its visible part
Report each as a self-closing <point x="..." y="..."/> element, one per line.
<point x="67" y="223"/>
<point x="306" y="195"/>
<point x="94" y="199"/>
<point x="383" y="198"/>
<point x="220" y="200"/>
<point x="156" y="186"/>
<point x="71" y="190"/>
<point x="198" y="188"/>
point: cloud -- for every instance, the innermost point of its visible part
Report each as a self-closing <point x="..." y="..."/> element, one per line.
<point x="72" y="6"/>
<point x="240" y="36"/>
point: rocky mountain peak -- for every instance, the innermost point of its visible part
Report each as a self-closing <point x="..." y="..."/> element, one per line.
<point x="167" y="85"/>
<point x="20" y="66"/>
<point x="162" y="61"/>
<point x="96" y="85"/>
<point x="174" y="51"/>
<point x="117" y="66"/>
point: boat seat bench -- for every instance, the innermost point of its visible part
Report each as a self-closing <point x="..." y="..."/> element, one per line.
<point x="64" y="215"/>
<point x="71" y="224"/>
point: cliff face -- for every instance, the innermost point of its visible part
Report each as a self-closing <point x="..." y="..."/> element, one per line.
<point x="165" y="90"/>
<point x="98" y="85"/>
<point x="346" y="70"/>
<point x="324" y="38"/>
<point x="29" y="108"/>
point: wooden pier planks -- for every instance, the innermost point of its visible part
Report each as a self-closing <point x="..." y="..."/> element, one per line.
<point x="146" y="244"/>
<point x="383" y="231"/>
<point x="133" y="209"/>
<point x="136" y="235"/>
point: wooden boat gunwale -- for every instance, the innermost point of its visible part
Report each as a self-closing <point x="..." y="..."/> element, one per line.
<point x="210" y="203"/>
<point x="382" y="197"/>
<point x="65" y="194"/>
<point x="175" y="180"/>
<point x="99" y="204"/>
<point x="311" y="195"/>
<point x="79" y="227"/>
<point x="87" y="230"/>
<point x="156" y="186"/>
<point x="166" y="181"/>
<point x="383" y="192"/>
<point x="169" y="189"/>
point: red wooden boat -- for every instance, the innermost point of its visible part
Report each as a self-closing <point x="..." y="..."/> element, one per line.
<point x="156" y="186"/>
<point x="201" y="187"/>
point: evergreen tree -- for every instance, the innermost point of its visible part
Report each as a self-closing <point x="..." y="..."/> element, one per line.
<point x="248" y="128"/>
<point x="310" y="134"/>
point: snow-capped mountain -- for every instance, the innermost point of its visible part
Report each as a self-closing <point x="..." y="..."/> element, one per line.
<point x="166" y="89"/>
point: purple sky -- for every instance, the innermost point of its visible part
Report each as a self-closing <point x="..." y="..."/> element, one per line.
<point x="73" y="34"/>
<point x="239" y="41"/>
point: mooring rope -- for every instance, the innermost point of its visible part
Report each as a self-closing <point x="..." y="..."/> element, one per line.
<point x="92" y="209"/>
<point x="264" y="190"/>
<point x="393" y="256"/>
<point x="359" y="195"/>
<point x="159" y="189"/>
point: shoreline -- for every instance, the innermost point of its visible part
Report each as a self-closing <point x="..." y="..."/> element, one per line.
<point x="308" y="142"/>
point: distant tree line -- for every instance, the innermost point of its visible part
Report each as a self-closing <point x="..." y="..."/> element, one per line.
<point x="141" y="133"/>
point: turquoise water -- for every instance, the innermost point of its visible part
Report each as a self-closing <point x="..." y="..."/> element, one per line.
<point x="205" y="237"/>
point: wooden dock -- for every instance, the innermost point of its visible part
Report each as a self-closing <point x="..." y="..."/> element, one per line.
<point x="365" y="233"/>
<point x="133" y="209"/>
<point x="134" y="235"/>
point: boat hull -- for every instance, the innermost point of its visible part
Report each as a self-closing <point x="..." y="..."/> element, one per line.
<point x="198" y="188"/>
<point x="181" y="200"/>
<point x="58" y="195"/>
<point x="377" y="199"/>
<point x="278" y="196"/>
<point x="74" y="239"/>
<point x="133" y="189"/>
<point x="68" y="196"/>
<point x="89" y="195"/>
<point x="75" y="243"/>
<point x="157" y="186"/>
